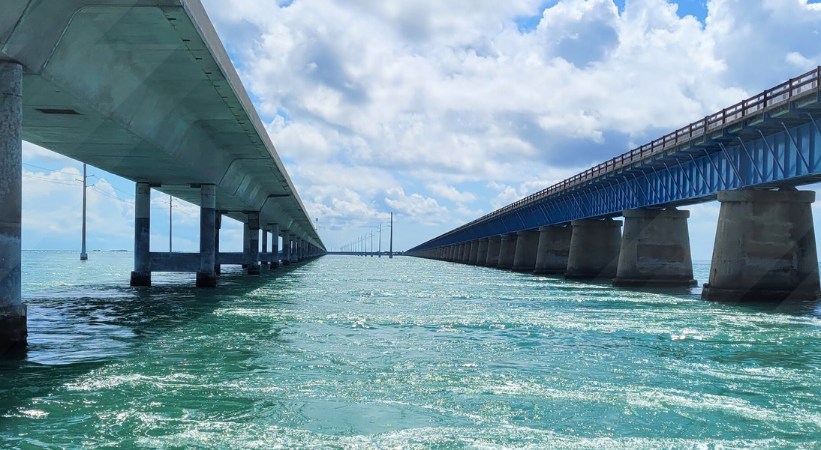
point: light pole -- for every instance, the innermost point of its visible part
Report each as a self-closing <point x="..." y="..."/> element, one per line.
<point x="390" y="254"/>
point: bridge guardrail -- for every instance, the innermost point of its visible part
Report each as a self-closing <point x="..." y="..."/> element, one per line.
<point x="770" y="98"/>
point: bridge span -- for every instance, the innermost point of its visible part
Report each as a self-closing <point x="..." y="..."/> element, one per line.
<point x="749" y="156"/>
<point x="143" y="89"/>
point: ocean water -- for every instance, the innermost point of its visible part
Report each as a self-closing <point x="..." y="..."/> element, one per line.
<point x="354" y="352"/>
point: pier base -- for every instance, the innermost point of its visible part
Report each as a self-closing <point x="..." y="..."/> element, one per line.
<point x="474" y="252"/>
<point x="527" y="245"/>
<point x="765" y="248"/>
<point x="554" y="248"/>
<point x="494" y="246"/>
<point x="507" y="251"/>
<point x="13" y="328"/>
<point x="481" y="254"/>
<point x="594" y="249"/>
<point x="141" y="276"/>
<point x="465" y="255"/>
<point x="655" y="249"/>
<point x="207" y="275"/>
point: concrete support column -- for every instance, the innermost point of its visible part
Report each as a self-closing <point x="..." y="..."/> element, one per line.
<point x="286" y="247"/>
<point x="253" y="242"/>
<point x="594" y="249"/>
<point x="246" y="245"/>
<point x="764" y="248"/>
<point x="481" y="255"/>
<point x="474" y="252"/>
<point x="464" y="252"/>
<point x="507" y="251"/>
<point x="293" y="251"/>
<point x="494" y="246"/>
<point x="13" y="327"/>
<point x="217" y="227"/>
<point x="207" y="275"/>
<point x="527" y="245"/>
<point x="274" y="245"/>
<point x="141" y="276"/>
<point x="655" y="249"/>
<point x="263" y="256"/>
<point x="554" y="248"/>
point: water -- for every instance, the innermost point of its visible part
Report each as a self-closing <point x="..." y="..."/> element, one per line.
<point x="375" y="353"/>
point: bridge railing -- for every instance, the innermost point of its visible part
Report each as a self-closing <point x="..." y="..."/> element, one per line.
<point x="770" y="98"/>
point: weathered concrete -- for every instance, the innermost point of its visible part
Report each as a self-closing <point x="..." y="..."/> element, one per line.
<point x="292" y="246"/>
<point x="253" y="242"/>
<point x="13" y="327"/>
<point x="655" y="249"/>
<point x="452" y="254"/>
<point x="264" y="259"/>
<point x="765" y="247"/>
<point x="206" y="275"/>
<point x="554" y="249"/>
<point x="465" y="253"/>
<point x="141" y="276"/>
<point x="594" y="249"/>
<point x="274" y="245"/>
<point x="474" y="252"/>
<point x="507" y="251"/>
<point x="494" y="246"/>
<point x="527" y="245"/>
<point x="217" y="227"/>
<point x="481" y="257"/>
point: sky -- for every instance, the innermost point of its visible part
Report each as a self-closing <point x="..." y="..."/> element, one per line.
<point x="442" y="111"/>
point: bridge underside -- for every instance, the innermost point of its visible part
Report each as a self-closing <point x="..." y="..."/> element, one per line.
<point x="145" y="90"/>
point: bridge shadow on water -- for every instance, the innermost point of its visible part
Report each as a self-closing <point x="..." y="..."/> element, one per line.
<point x="73" y="331"/>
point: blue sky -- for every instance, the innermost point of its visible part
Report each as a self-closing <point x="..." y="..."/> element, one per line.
<point x="444" y="111"/>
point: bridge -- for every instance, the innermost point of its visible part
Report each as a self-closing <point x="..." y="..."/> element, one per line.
<point x="145" y="90"/>
<point x="750" y="157"/>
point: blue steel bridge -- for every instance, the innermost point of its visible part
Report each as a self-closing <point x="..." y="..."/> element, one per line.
<point x="750" y="156"/>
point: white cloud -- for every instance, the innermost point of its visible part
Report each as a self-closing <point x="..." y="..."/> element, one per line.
<point x="449" y="192"/>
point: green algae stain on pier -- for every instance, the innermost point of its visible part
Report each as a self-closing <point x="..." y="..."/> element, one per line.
<point x="373" y="353"/>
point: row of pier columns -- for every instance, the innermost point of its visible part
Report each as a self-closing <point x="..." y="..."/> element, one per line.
<point x="764" y="249"/>
<point x="207" y="263"/>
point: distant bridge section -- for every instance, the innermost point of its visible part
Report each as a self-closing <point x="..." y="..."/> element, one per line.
<point x="771" y="140"/>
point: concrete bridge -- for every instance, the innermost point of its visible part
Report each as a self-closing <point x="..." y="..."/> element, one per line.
<point x="143" y="89"/>
<point x="749" y="156"/>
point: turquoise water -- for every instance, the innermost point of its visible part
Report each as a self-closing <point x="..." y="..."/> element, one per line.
<point x="372" y="353"/>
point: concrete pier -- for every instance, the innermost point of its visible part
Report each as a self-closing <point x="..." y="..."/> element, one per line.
<point x="554" y="249"/>
<point x="594" y="249"/>
<point x="217" y="227"/>
<point x="527" y="245"/>
<point x="141" y="276"/>
<point x="13" y="327"/>
<point x="207" y="275"/>
<point x="465" y="253"/>
<point x="253" y="242"/>
<point x="507" y="251"/>
<point x="481" y="256"/>
<point x="274" y="245"/>
<point x="765" y="247"/>
<point x="264" y="259"/>
<point x="286" y="247"/>
<point x="655" y="249"/>
<point x="474" y="252"/>
<point x="494" y="245"/>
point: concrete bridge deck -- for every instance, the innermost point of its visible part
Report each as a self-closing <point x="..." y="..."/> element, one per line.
<point x="143" y="89"/>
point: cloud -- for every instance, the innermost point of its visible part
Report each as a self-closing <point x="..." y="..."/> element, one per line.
<point x="450" y="193"/>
